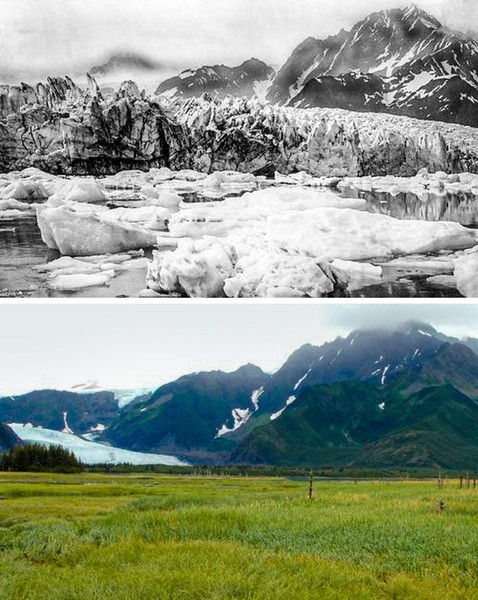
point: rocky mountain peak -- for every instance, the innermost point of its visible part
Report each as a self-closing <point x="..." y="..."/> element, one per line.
<point x="414" y="13"/>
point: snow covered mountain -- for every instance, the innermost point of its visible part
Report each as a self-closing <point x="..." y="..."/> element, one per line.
<point x="251" y="78"/>
<point x="401" y="61"/>
<point x="373" y="355"/>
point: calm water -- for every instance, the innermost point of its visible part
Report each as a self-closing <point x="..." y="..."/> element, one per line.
<point x="21" y="248"/>
<point x="460" y="208"/>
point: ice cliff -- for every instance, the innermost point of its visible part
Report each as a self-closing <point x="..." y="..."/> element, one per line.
<point x="62" y="129"/>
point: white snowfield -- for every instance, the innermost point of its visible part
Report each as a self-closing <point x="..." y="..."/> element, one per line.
<point x="90" y="452"/>
<point x="291" y="237"/>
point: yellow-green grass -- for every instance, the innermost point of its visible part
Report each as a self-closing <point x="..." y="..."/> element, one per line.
<point x="147" y="537"/>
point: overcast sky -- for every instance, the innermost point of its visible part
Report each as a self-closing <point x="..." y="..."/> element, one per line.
<point x="133" y="345"/>
<point x="53" y="36"/>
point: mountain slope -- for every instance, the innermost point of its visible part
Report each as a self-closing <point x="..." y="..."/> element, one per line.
<point x="60" y="410"/>
<point x="452" y="363"/>
<point x="372" y="355"/>
<point x="189" y="414"/>
<point x="398" y="61"/>
<point x="323" y="426"/>
<point x="246" y="80"/>
<point x="360" y="424"/>
<point x="435" y="428"/>
<point x="123" y="62"/>
<point x="8" y="438"/>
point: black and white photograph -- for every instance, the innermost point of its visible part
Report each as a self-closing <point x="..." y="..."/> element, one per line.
<point x="238" y="300"/>
<point x="239" y="149"/>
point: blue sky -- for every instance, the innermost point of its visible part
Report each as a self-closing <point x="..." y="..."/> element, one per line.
<point x="57" y="35"/>
<point x="129" y="345"/>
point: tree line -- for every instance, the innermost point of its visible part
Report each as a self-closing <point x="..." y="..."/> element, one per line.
<point x="35" y="457"/>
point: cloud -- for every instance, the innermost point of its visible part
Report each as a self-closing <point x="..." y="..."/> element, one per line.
<point x="130" y="345"/>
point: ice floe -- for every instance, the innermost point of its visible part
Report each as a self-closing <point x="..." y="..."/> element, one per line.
<point x="284" y="242"/>
<point x="466" y="274"/>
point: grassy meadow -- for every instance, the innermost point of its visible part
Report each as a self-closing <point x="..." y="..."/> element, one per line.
<point x="151" y="537"/>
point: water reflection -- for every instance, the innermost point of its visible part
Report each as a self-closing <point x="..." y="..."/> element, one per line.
<point x="21" y="247"/>
<point x="460" y="207"/>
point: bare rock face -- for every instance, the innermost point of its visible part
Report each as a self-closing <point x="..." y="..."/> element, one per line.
<point x="60" y="129"/>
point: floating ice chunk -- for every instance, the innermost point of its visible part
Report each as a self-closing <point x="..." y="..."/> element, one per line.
<point x="219" y="178"/>
<point x="196" y="268"/>
<point x="280" y="241"/>
<point x="147" y="293"/>
<point x="423" y="265"/>
<point x="153" y="217"/>
<point x="466" y="275"/>
<point x="304" y="178"/>
<point x="277" y="275"/>
<point x="150" y="191"/>
<point x="355" y="275"/>
<point x="13" y="204"/>
<point x="77" y="234"/>
<point x="169" y="200"/>
<point x="86" y="190"/>
<point x="26" y="190"/>
<point x="67" y="266"/>
<point x="79" y="281"/>
<point x="13" y="213"/>
<point x="443" y="281"/>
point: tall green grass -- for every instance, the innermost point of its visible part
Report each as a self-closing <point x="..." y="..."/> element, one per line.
<point x="129" y="537"/>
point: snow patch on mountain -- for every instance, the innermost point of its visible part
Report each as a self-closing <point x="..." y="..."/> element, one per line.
<point x="302" y="379"/>
<point x="288" y="402"/>
<point x="241" y="415"/>
<point x="66" y="428"/>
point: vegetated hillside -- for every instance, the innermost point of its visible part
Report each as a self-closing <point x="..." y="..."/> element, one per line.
<point x="50" y="408"/>
<point x="373" y="354"/>
<point x="435" y="427"/>
<point x="8" y="438"/>
<point x="187" y="415"/>
<point x="357" y="424"/>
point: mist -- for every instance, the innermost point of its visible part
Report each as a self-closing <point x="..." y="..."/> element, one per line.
<point x="53" y="37"/>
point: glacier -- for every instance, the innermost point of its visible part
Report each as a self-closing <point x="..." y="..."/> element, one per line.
<point x="90" y="452"/>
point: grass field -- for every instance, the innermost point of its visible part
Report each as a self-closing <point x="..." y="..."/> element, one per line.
<point x="141" y="537"/>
